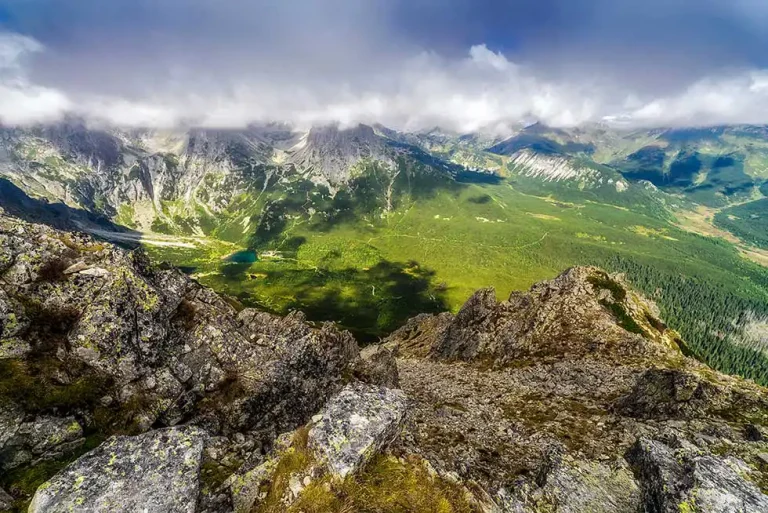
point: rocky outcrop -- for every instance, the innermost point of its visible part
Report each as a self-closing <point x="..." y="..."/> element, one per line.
<point x="684" y="479"/>
<point x="97" y="340"/>
<point x="329" y="152"/>
<point x="155" y="339"/>
<point x="38" y="439"/>
<point x="378" y="366"/>
<point x="572" y="486"/>
<point x="156" y="472"/>
<point x="6" y="501"/>
<point x="584" y="311"/>
<point x="538" y="401"/>
<point x="355" y="425"/>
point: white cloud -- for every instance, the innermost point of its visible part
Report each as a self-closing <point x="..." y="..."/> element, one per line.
<point x="22" y="102"/>
<point x="479" y="91"/>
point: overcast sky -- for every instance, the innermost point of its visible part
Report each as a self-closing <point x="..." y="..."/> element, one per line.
<point x="459" y="64"/>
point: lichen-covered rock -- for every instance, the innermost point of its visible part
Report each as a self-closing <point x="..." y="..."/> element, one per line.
<point x="665" y="393"/>
<point x="40" y="438"/>
<point x="355" y="424"/>
<point x="684" y="479"/>
<point x="574" y="486"/>
<point x="94" y="333"/>
<point x="154" y="473"/>
<point x="162" y="346"/>
<point x="580" y="366"/>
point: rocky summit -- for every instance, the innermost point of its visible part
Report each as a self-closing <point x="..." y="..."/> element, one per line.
<point x="127" y="386"/>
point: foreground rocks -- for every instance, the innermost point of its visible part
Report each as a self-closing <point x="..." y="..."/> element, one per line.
<point x="156" y="473"/>
<point x="542" y="402"/>
<point x="156" y="347"/>
<point x="94" y="339"/>
<point x="571" y="397"/>
<point x="42" y="438"/>
<point x="675" y="479"/>
<point x="355" y="425"/>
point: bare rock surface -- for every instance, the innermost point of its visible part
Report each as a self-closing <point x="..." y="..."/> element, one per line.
<point x="96" y="339"/>
<point x="584" y="311"/>
<point x="6" y="501"/>
<point x="156" y="472"/>
<point x="356" y="424"/>
<point x="378" y="366"/>
<point x="684" y="479"/>
<point x="40" y="438"/>
<point x="540" y="400"/>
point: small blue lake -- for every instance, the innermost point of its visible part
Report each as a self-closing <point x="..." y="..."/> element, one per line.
<point x="247" y="256"/>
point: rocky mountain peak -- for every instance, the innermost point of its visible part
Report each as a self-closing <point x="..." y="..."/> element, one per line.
<point x="584" y="311"/>
<point x="330" y="151"/>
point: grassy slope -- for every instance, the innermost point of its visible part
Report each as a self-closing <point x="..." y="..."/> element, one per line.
<point x="749" y="222"/>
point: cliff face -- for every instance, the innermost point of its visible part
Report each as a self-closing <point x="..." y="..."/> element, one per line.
<point x="574" y="396"/>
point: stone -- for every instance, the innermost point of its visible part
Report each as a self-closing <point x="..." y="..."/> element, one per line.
<point x="96" y="272"/>
<point x="44" y="437"/>
<point x="570" y="316"/>
<point x="6" y="501"/>
<point x="357" y="423"/>
<point x="671" y="393"/>
<point x="378" y="366"/>
<point x="156" y="472"/>
<point x="76" y="268"/>
<point x="673" y="479"/>
<point x="568" y="485"/>
<point x="160" y="339"/>
<point x="14" y="348"/>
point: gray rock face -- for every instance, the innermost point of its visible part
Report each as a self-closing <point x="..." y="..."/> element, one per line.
<point x="154" y="473"/>
<point x="572" y="315"/>
<point x="329" y="152"/>
<point x="378" y="366"/>
<point x="134" y="347"/>
<point x="150" y="337"/>
<point x="497" y="389"/>
<point x="42" y="438"/>
<point x="575" y="486"/>
<point x="355" y="424"/>
<point x="670" y="393"/>
<point x="673" y="480"/>
<point x="6" y="501"/>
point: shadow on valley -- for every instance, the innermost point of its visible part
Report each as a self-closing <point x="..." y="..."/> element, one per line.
<point x="369" y="303"/>
<point x="17" y="203"/>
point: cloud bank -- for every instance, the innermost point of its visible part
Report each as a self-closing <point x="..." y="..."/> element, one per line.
<point x="411" y="65"/>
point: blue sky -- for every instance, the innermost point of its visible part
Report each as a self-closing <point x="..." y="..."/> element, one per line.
<point x="462" y="64"/>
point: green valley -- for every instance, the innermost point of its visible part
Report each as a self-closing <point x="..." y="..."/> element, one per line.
<point x="373" y="273"/>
